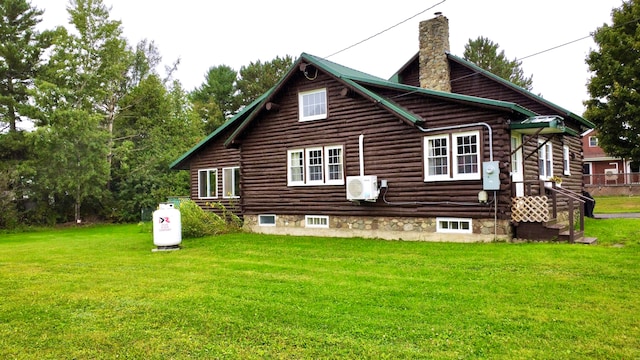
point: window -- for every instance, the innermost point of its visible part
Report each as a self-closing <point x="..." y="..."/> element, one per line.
<point x="231" y="182"/>
<point x="452" y="156"/>
<point x="454" y="225"/>
<point x="437" y="158"/>
<point x="316" y="166"/>
<point x="316" y="221"/>
<point x="313" y="105"/>
<point x="333" y="154"/>
<point x="545" y="160"/>
<point x="593" y="141"/>
<point x="208" y="183"/>
<point x="466" y="156"/>
<point x="267" y="220"/>
<point x="296" y="167"/>
<point x="566" y="163"/>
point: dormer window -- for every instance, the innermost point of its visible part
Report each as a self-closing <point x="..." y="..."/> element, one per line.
<point x="313" y="105"/>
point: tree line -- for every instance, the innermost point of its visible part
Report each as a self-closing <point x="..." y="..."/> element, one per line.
<point x="105" y="123"/>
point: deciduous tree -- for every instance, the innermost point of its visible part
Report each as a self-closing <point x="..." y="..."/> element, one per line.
<point x="614" y="104"/>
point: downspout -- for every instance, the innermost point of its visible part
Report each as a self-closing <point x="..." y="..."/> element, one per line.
<point x="361" y="153"/>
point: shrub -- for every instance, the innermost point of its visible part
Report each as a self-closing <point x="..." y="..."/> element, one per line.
<point x="197" y="222"/>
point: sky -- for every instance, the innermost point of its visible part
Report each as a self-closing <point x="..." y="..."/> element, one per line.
<point x="235" y="33"/>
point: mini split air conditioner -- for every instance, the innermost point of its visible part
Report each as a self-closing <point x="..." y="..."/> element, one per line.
<point x="362" y="188"/>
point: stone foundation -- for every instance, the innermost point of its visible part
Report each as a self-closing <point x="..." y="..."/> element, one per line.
<point x="388" y="228"/>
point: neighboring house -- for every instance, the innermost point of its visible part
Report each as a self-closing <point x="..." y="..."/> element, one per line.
<point x="443" y="151"/>
<point x="601" y="169"/>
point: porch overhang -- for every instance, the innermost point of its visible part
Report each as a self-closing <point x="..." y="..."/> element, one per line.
<point x="542" y="125"/>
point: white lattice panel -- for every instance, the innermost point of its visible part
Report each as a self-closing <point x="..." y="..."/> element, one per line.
<point x="530" y="209"/>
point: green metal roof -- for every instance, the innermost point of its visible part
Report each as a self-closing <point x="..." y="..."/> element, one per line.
<point x="363" y="83"/>
<point x="358" y="81"/>
<point x="542" y="125"/>
<point x="179" y="164"/>
<point x="564" y="112"/>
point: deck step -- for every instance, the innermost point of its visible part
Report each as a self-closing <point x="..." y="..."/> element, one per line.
<point x="586" y="240"/>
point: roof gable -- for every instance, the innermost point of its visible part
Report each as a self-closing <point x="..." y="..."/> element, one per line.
<point x="361" y="83"/>
<point x="364" y="84"/>
<point x="182" y="162"/>
<point x="413" y="63"/>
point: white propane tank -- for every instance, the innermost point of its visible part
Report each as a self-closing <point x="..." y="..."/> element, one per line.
<point x="167" y="227"/>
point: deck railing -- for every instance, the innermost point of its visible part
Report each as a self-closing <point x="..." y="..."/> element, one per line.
<point x="612" y="178"/>
<point x="555" y="193"/>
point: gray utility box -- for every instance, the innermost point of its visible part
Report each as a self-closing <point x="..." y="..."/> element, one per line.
<point x="491" y="175"/>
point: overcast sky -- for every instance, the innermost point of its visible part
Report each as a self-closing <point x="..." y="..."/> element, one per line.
<point x="236" y="32"/>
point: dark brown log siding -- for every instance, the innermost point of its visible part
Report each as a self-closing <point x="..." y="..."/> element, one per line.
<point x="571" y="182"/>
<point x="393" y="150"/>
<point x="215" y="156"/>
<point x="468" y="82"/>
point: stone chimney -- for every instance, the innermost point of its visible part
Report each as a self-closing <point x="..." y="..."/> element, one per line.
<point x="434" y="42"/>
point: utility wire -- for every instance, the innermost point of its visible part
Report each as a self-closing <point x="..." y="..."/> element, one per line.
<point x="576" y="40"/>
<point x="385" y="30"/>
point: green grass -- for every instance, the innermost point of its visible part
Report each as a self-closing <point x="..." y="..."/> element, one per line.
<point x="100" y="293"/>
<point x="617" y="204"/>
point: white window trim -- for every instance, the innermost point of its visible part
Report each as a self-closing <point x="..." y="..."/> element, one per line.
<point x="307" y="163"/>
<point x="291" y="182"/>
<point x="262" y="216"/>
<point x="226" y="191"/>
<point x="546" y="155"/>
<point x="208" y="171"/>
<point x="316" y="221"/>
<point x="595" y="141"/>
<point x="566" y="161"/>
<point x="329" y="181"/>
<point x="440" y="229"/>
<point x="454" y="154"/>
<point x="301" y="96"/>
<point x="440" y="177"/>
<point x="324" y="150"/>
<point x="452" y="157"/>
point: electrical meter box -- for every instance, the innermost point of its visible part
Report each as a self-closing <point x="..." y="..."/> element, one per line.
<point x="491" y="175"/>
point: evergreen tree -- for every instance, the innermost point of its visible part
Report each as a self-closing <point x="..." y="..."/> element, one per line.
<point x="484" y="53"/>
<point x="257" y="78"/>
<point x="614" y="104"/>
<point x="21" y="49"/>
<point x="214" y="99"/>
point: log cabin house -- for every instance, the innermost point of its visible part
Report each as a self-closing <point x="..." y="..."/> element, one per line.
<point x="442" y="151"/>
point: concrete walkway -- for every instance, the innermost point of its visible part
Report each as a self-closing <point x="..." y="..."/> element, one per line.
<point x="618" y="216"/>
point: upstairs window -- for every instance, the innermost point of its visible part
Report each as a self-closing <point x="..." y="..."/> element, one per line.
<point x="452" y="156"/>
<point x="208" y="183"/>
<point x="313" y="105"/>
<point x="593" y="141"/>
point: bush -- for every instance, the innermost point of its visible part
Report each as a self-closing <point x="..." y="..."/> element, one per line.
<point x="197" y="222"/>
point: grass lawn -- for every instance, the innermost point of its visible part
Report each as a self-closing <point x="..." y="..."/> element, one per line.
<point x="617" y="204"/>
<point x="100" y="293"/>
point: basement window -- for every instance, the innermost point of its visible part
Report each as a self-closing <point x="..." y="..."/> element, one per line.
<point x="454" y="225"/>
<point x="267" y="220"/>
<point x="316" y="221"/>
